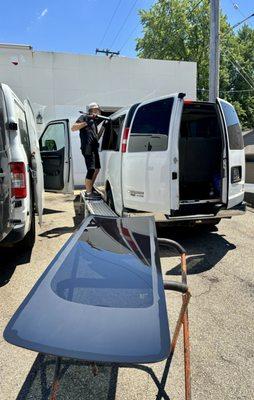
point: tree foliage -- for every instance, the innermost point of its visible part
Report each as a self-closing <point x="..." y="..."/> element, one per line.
<point x="179" y="30"/>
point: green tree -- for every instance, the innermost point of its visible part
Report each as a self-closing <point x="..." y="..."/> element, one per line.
<point x="179" y="30"/>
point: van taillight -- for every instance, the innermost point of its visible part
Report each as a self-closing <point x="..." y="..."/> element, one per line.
<point x="125" y="139"/>
<point x="18" y="180"/>
<point x="188" y="101"/>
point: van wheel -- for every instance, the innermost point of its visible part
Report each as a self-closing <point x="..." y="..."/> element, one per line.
<point x="28" y="242"/>
<point x="110" y="200"/>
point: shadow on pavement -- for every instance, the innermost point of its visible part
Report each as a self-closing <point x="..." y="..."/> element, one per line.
<point x="10" y="258"/>
<point x="55" y="232"/>
<point x="51" y="211"/>
<point x="204" y="249"/>
<point x="77" y="219"/>
<point x="77" y="380"/>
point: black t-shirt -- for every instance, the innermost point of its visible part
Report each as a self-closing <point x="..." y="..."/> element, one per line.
<point x="88" y="134"/>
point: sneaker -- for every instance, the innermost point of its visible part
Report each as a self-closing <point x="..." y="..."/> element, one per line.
<point x="92" y="196"/>
<point x="95" y="193"/>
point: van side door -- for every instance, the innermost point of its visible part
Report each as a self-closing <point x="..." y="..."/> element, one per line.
<point x="150" y="166"/>
<point x="55" y="148"/>
<point x="235" y="150"/>
<point x="6" y="201"/>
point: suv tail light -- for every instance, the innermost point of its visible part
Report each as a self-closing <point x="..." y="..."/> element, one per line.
<point x="18" y="180"/>
<point x="125" y="139"/>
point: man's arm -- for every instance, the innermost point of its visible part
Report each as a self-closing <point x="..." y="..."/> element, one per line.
<point x="78" y="125"/>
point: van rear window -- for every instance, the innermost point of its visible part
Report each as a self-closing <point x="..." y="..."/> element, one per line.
<point x="150" y="126"/>
<point x="233" y="125"/>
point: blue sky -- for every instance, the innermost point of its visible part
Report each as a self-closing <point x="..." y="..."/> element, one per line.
<point x="79" y="26"/>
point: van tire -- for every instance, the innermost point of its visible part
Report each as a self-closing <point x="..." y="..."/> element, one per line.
<point x="110" y="199"/>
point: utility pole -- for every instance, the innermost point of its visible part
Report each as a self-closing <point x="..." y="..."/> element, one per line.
<point x="214" y="61"/>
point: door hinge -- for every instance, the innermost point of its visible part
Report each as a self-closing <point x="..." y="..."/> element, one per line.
<point x="33" y="173"/>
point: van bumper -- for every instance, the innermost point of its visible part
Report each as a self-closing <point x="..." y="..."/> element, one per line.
<point x="239" y="209"/>
<point x="15" y="236"/>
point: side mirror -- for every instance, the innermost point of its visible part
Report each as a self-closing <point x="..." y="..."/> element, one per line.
<point x="12" y="126"/>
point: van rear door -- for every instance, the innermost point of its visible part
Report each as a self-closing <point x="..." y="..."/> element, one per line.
<point x="236" y="156"/>
<point x="6" y="202"/>
<point x="55" y="147"/>
<point x="36" y="162"/>
<point x="150" y="173"/>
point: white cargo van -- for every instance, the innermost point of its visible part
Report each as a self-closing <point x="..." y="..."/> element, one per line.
<point x="21" y="171"/>
<point x="179" y="158"/>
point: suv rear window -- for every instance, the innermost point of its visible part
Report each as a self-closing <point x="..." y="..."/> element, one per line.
<point x="233" y="126"/>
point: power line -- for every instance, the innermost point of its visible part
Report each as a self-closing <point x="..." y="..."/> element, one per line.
<point x="174" y="31"/>
<point x="123" y="24"/>
<point x="249" y="78"/>
<point x="129" y="37"/>
<point x="241" y="22"/>
<point x="227" y="91"/>
<point x="238" y="70"/>
<point x="187" y="15"/>
<point x="110" y="21"/>
<point x="133" y="30"/>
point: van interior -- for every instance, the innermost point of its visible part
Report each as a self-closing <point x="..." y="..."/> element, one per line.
<point x="200" y="154"/>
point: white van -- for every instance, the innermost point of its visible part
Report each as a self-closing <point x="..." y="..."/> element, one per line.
<point x="182" y="159"/>
<point x="21" y="176"/>
<point x="21" y="171"/>
<point x="179" y="159"/>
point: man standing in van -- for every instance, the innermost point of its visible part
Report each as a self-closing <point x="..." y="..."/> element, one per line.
<point x="88" y="132"/>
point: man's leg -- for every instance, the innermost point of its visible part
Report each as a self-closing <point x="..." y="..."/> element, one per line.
<point x="97" y="165"/>
<point x="96" y="172"/>
<point x="89" y="185"/>
<point x="90" y="165"/>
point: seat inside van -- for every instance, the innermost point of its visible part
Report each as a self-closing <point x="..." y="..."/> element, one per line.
<point x="200" y="153"/>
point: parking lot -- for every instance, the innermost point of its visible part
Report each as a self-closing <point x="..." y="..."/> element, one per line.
<point x="221" y="278"/>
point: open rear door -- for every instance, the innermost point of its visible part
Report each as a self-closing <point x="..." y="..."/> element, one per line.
<point x="37" y="171"/>
<point x="56" y="156"/>
<point x="150" y="173"/>
<point x="235" y="150"/>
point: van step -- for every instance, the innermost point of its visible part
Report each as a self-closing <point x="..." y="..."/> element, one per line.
<point x="97" y="207"/>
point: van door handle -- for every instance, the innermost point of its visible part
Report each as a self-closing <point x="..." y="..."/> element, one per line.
<point x="174" y="175"/>
<point x="149" y="146"/>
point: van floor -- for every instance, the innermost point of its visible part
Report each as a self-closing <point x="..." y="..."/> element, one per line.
<point x="200" y="152"/>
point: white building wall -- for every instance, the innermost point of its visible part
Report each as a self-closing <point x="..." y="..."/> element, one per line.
<point x="61" y="84"/>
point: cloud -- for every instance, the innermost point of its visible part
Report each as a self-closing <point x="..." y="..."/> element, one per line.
<point x="43" y="13"/>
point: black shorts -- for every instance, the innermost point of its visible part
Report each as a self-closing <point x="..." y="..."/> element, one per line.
<point x="92" y="160"/>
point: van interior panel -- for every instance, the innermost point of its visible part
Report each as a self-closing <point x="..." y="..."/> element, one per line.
<point x="53" y="169"/>
<point x="200" y="153"/>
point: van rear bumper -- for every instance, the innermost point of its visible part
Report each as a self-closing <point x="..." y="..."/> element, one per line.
<point x="16" y="235"/>
<point x="239" y="209"/>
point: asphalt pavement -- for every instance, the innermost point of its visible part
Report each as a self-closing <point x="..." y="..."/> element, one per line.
<point x="221" y="279"/>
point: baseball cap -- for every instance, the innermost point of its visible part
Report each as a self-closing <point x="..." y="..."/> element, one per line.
<point x="93" y="105"/>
